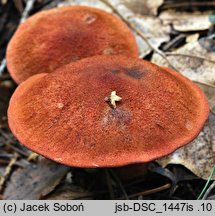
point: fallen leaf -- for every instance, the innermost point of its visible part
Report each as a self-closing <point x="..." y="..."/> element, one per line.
<point x="193" y="61"/>
<point x="199" y="155"/>
<point x="68" y="192"/>
<point x="35" y="180"/>
<point x="146" y="7"/>
<point x="192" y="38"/>
<point x="155" y="32"/>
<point x="92" y="3"/>
<point x="185" y="22"/>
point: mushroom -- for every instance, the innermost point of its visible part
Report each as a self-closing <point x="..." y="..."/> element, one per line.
<point x="59" y="36"/>
<point x="156" y="112"/>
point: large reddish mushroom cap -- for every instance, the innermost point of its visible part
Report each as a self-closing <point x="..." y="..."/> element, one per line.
<point x="72" y="122"/>
<point x="55" y="37"/>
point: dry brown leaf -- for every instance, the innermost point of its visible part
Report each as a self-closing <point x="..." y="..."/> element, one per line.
<point x="34" y="181"/>
<point x="197" y="69"/>
<point x="199" y="155"/>
<point x="154" y="30"/>
<point x="146" y="7"/>
<point x="192" y="38"/>
<point x="93" y="3"/>
<point x="68" y="192"/>
<point x="185" y="22"/>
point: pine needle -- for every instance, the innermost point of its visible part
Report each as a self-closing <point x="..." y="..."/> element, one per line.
<point x="206" y="185"/>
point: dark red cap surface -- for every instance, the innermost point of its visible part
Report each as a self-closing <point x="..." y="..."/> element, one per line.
<point x="71" y="123"/>
<point x="58" y="36"/>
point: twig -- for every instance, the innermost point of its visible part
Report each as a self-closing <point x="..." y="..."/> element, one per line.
<point x="32" y="156"/>
<point x="172" y="43"/>
<point x="148" y="192"/>
<point x="2" y="66"/>
<point x="9" y="145"/>
<point x="2" y="161"/>
<point x="188" y="55"/>
<point x="144" y="193"/>
<point x="19" y="151"/>
<point x="28" y="8"/>
<point x="7" y="171"/>
<point x="189" y="4"/>
<point x="151" y="191"/>
<point x="140" y="33"/>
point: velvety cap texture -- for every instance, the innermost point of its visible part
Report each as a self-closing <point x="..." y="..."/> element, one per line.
<point x="65" y="115"/>
<point x="52" y="38"/>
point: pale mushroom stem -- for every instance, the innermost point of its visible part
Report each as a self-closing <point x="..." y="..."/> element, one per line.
<point x="113" y="98"/>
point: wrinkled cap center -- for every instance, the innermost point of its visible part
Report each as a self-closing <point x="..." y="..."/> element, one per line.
<point x="112" y="99"/>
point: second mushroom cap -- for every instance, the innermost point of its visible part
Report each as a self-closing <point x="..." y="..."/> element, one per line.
<point x="52" y="38"/>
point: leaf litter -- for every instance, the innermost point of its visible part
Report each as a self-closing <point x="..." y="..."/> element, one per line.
<point x="195" y="59"/>
<point x="185" y="22"/>
<point x="34" y="181"/>
<point x="197" y="63"/>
